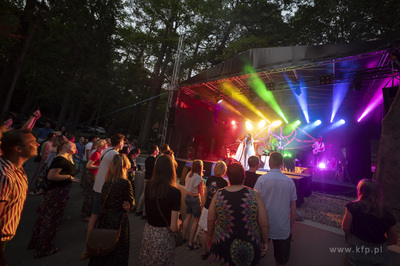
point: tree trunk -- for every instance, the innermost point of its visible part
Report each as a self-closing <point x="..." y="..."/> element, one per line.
<point x="16" y="75"/>
<point x="155" y="89"/>
<point x="386" y="172"/>
<point x="64" y="107"/>
<point x="78" y="114"/>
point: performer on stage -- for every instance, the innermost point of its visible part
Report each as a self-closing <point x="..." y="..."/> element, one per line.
<point x="245" y="150"/>
<point x="273" y="144"/>
<point x="318" y="149"/>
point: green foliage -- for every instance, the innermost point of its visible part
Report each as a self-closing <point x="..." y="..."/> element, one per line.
<point x="113" y="53"/>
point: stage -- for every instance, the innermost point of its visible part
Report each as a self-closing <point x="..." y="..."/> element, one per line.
<point x="305" y="179"/>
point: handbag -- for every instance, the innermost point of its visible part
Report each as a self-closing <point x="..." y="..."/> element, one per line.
<point x="102" y="241"/>
<point x="178" y="235"/>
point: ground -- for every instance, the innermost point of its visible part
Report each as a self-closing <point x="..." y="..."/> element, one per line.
<point x="328" y="209"/>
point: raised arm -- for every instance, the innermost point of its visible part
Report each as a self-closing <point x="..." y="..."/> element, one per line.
<point x="32" y="120"/>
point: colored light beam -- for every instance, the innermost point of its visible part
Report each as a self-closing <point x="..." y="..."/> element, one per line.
<point x="377" y="99"/>
<point x="229" y="89"/>
<point x="302" y="98"/>
<point x="338" y="124"/>
<point x="229" y="107"/>
<point x="339" y="92"/>
<point x="259" y="87"/>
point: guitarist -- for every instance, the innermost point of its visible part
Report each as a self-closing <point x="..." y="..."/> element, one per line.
<point x="318" y="149"/>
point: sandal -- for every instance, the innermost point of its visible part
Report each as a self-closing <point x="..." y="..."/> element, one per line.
<point x="193" y="247"/>
<point x="51" y="252"/>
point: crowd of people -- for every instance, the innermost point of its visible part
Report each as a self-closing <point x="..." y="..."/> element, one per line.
<point x="238" y="212"/>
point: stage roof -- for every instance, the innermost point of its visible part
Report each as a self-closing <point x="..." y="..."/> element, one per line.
<point x="360" y="67"/>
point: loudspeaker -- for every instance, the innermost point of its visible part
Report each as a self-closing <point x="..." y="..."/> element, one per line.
<point x="389" y="94"/>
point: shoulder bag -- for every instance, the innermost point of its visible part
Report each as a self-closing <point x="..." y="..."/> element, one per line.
<point x="102" y="241"/>
<point x="178" y="235"/>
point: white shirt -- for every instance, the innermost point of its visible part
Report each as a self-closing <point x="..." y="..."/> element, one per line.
<point x="278" y="191"/>
<point x="105" y="160"/>
<point x="87" y="147"/>
<point x="192" y="183"/>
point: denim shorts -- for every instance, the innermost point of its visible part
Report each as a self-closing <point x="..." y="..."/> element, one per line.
<point x="96" y="203"/>
<point x="193" y="205"/>
<point x="364" y="253"/>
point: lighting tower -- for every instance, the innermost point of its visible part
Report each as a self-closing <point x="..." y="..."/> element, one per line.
<point x="172" y="87"/>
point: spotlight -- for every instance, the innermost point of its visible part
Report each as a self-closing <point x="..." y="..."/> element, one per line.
<point x="249" y="126"/>
<point x="341" y="121"/>
<point x="219" y="101"/>
<point x="297" y="123"/>
<point x="297" y="90"/>
<point x="324" y="80"/>
<point x="261" y="124"/>
<point x="318" y="122"/>
<point x="276" y="123"/>
<point x="233" y="122"/>
<point x="322" y="165"/>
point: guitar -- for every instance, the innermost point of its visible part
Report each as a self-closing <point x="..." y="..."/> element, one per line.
<point x="317" y="150"/>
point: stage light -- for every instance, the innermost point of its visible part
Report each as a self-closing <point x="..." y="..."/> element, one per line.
<point x="233" y="122"/>
<point x="261" y="124"/>
<point x="339" y="93"/>
<point x="318" y="122"/>
<point x="276" y="123"/>
<point x="300" y="93"/>
<point x="259" y="87"/>
<point x="297" y="123"/>
<point x="337" y="124"/>
<point x="249" y="126"/>
<point x="219" y="101"/>
<point x="322" y="165"/>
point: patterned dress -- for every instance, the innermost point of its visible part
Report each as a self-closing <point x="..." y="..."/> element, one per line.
<point x="237" y="236"/>
<point x="51" y="210"/>
<point x="110" y="217"/>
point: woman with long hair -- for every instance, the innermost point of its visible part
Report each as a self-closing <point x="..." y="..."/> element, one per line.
<point x="51" y="211"/>
<point x="117" y="199"/>
<point x="92" y="166"/>
<point x="45" y="150"/>
<point x="368" y="226"/>
<point x="194" y="188"/>
<point x="162" y="203"/>
<point x="237" y="223"/>
<point x="248" y="149"/>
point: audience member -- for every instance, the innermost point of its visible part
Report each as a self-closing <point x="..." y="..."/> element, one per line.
<point x="237" y="223"/>
<point x="149" y="167"/>
<point x="43" y="132"/>
<point x="194" y="188"/>
<point x="88" y="147"/>
<point x="368" y="227"/>
<point x="163" y="200"/>
<point x="251" y="176"/>
<point x="164" y="148"/>
<point x="279" y="194"/>
<point x="117" y="142"/>
<point x="92" y="166"/>
<point x="213" y="184"/>
<point x="17" y="146"/>
<point x="51" y="211"/>
<point x="117" y="199"/>
<point x="78" y="158"/>
<point x="45" y="150"/>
